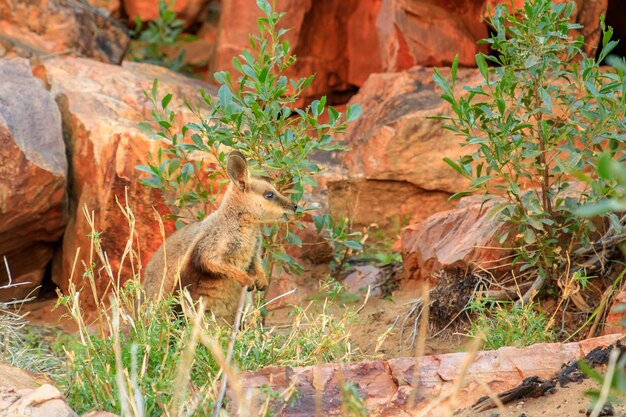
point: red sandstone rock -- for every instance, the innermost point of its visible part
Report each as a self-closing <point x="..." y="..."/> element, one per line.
<point x="460" y="238"/>
<point x="385" y="386"/>
<point x="67" y="27"/>
<point x="101" y="106"/>
<point x="616" y="319"/>
<point x="187" y="10"/>
<point x="394" y="139"/>
<point x="394" y="171"/>
<point x="43" y="401"/>
<point x="429" y="33"/>
<point x="33" y="171"/>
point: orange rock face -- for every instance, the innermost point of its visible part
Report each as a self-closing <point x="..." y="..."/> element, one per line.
<point x="460" y="238"/>
<point x="334" y="39"/>
<point x="101" y="107"/>
<point x="344" y="41"/>
<point x="395" y="139"/>
<point x="44" y="27"/>
<point x="429" y="33"/>
<point x="188" y="10"/>
<point x="33" y="172"/>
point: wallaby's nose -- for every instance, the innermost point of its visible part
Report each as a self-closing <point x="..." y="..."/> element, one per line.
<point x="295" y="207"/>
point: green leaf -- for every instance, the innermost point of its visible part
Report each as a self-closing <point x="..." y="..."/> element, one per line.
<point x="353" y="112"/>
<point x="353" y="244"/>
<point x="531" y="61"/>
<point x="225" y="96"/>
<point x="454" y="68"/>
<point x="482" y="66"/>
<point x="166" y="100"/>
<point x="265" y="7"/>
<point x="458" y="195"/>
<point x="146" y="127"/>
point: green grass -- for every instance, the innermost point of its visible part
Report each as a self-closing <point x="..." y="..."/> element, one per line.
<point x="512" y="326"/>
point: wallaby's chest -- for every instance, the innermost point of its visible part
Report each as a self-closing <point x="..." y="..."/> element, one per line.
<point x="236" y="245"/>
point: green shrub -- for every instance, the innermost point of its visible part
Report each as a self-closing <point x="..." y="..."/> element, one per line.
<point x="256" y="111"/>
<point x="150" y="44"/>
<point x="541" y="116"/>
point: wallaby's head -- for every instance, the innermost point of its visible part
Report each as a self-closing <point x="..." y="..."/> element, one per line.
<point x="256" y="196"/>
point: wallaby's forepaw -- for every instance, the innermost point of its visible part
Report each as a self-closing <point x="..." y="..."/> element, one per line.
<point x="245" y="280"/>
<point x="260" y="282"/>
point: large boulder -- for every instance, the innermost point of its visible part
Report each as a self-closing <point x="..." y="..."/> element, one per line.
<point x="37" y="28"/>
<point x="101" y="106"/>
<point x="396" y="138"/>
<point x="33" y="171"/>
<point x="387" y="204"/>
<point x="395" y="168"/>
<point x="458" y="239"/>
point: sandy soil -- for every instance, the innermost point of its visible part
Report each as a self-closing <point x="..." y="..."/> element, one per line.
<point x="570" y="401"/>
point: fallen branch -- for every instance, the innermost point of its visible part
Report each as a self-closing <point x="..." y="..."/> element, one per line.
<point x="535" y="386"/>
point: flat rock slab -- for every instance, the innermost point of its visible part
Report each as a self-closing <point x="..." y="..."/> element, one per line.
<point x="386" y="386"/>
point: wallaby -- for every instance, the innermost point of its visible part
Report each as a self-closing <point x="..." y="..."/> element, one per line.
<point x="215" y="257"/>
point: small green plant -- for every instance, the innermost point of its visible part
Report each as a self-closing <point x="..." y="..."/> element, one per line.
<point x="512" y="326"/>
<point x="345" y="242"/>
<point x="352" y="404"/>
<point x="150" y="44"/>
<point x="541" y="115"/>
<point x="255" y="112"/>
<point x="335" y="292"/>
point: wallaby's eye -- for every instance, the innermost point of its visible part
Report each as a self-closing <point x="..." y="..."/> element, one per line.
<point x="269" y="195"/>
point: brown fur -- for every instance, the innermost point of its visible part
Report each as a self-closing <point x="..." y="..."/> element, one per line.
<point x="214" y="258"/>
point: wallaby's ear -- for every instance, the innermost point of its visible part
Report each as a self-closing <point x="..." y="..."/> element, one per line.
<point x="237" y="169"/>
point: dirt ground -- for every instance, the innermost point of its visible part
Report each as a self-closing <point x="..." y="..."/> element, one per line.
<point x="570" y="401"/>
